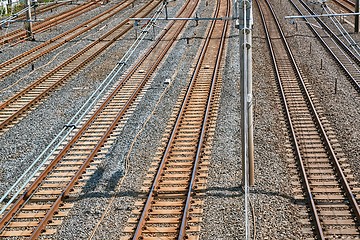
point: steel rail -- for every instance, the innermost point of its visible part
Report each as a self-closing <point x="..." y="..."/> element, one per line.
<point x="21" y="14"/>
<point x="185" y="217"/>
<point x="350" y="2"/>
<point x="340" y="174"/>
<point x="68" y="74"/>
<point x="345" y="4"/>
<point x="331" y="33"/>
<point x="71" y="184"/>
<point x="307" y="189"/>
<point x="344" y="33"/>
<point x="50" y="45"/>
<point x="25" y="9"/>
<point x="39" y="229"/>
<point x="78" y="117"/>
<point x="353" y="81"/>
<point x="45" y="8"/>
<point x="48" y="7"/>
<point x="160" y="169"/>
<point x="44" y="25"/>
<point x="32" y="188"/>
<point x="51" y="21"/>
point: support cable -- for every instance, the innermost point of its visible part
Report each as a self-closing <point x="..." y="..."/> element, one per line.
<point x="76" y="119"/>
<point x="352" y="43"/>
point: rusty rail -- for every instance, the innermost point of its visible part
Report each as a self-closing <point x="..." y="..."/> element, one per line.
<point x="12" y="65"/>
<point x="182" y="234"/>
<point x="47" y="7"/>
<point x="340" y="51"/>
<point x="20" y="34"/>
<point x="349" y="6"/>
<point x="159" y="49"/>
<point x="50" y="81"/>
<point x="155" y="187"/>
<point x="276" y="40"/>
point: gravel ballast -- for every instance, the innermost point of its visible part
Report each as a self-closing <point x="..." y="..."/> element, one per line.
<point x="276" y="214"/>
<point x="27" y="139"/>
<point x="174" y="67"/>
<point x="340" y="108"/>
<point x="271" y="198"/>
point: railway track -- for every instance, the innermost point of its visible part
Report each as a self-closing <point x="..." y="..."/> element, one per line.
<point x="20" y="34"/>
<point x="343" y="54"/>
<point x="39" y="10"/>
<point x="347" y="5"/>
<point x="45" y="202"/>
<point x="326" y="180"/>
<point x="14" y="108"/>
<point x="42" y="9"/>
<point x="12" y="65"/>
<point x="171" y="205"/>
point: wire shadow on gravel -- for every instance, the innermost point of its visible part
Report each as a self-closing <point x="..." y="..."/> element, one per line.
<point x="233" y="192"/>
<point x="275" y="194"/>
<point x="223" y="192"/>
<point x="90" y="195"/>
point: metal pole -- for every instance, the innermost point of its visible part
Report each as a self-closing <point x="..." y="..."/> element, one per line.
<point x="249" y="99"/>
<point x="323" y="15"/>
<point x="136" y="24"/>
<point x="166" y="11"/>
<point x="35" y="3"/>
<point x="247" y="143"/>
<point x="244" y="25"/>
<point x="242" y="93"/>
<point x="336" y="85"/>
<point x="28" y="23"/>
<point x="236" y="9"/>
<point x="244" y="121"/>
<point x="153" y="27"/>
<point x="357" y="16"/>
<point x="5" y="5"/>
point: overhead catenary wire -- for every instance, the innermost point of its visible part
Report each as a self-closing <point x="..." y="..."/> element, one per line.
<point x="352" y="43"/>
<point x="7" y="29"/>
<point x="13" y="16"/>
<point x="127" y="161"/>
<point x="76" y="119"/>
<point x="41" y="67"/>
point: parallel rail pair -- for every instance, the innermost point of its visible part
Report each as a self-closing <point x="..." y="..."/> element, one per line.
<point x="43" y="204"/>
<point x="326" y="181"/>
<point x="347" y="5"/>
<point x="14" y="108"/>
<point x="341" y="52"/>
<point x="174" y="185"/>
<point x="12" y="65"/>
<point x="45" y="8"/>
<point x="67" y="15"/>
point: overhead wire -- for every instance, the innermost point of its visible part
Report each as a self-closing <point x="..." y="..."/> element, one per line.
<point x="351" y="42"/>
<point x="127" y="161"/>
<point x="75" y="120"/>
<point x="41" y="67"/>
<point x="7" y="29"/>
